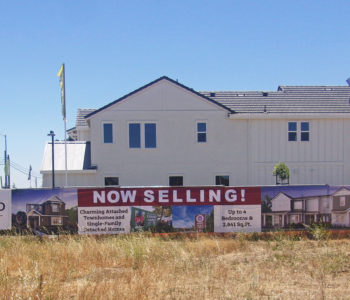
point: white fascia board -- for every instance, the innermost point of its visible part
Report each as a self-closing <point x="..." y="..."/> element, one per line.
<point x="69" y="172"/>
<point x="262" y="116"/>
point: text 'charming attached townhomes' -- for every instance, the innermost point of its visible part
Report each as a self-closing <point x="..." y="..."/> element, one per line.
<point x="165" y="133"/>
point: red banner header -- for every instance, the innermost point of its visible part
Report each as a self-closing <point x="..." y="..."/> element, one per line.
<point x="166" y="196"/>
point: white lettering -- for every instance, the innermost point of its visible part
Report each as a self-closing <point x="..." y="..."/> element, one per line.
<point x="99" y="197"/>
<point x="214" y="195"/>
<point x="149" y="196"/>
<point x="163" y="196"/>
<point x="243" y="195"/>
<point x="231" y="195"/>
<point x="113" y="197"/>
<point x="201" y="194"/>
<point x="128" y="195"/>
<point x="188" y="197"/>
<point x="175" y="198"/>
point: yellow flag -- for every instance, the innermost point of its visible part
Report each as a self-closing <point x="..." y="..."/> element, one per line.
<point x="60" y="74"/>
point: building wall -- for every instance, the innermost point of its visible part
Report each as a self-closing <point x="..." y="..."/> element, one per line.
<point x="312" y="205"/>
<point x="176" y="112"/>
<point x="246" y="149"/>
<point x="324" y="159"/>
<point x="325" y="205"/>
<point x="281" y="203"/>
<point x="74" y="180"/>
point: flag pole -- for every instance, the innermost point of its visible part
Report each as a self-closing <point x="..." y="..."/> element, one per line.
<point x="61" y="74"/>
<point x="65" y="149"/>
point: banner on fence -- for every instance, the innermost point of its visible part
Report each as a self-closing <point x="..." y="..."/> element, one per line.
<point x="173" y="209"/>
<point x="168" y="209"/>
<point x="5" y="209"/>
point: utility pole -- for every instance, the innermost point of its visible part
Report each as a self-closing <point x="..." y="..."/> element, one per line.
<point x="6" y="166"/>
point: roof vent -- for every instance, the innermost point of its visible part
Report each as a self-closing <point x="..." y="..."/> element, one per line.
<point x="265" y="94"/>
<point x="212" y="94"/>
<point x="348" y="81"/>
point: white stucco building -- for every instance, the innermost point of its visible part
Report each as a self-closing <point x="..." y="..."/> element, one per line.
<point x="166" y="133"/>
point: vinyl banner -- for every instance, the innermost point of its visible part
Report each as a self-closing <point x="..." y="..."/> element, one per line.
<point x="168" y="209"/>
<point x="5" y="209"/>
<point x="45" y="210"/>
<point x="297" y="206"/>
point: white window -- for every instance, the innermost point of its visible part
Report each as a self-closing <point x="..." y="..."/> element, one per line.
<point x="294" y="219"/>
<point x="56" y="221"/>
<point x="340" y="218"/>
<point x="325" y="204"/>
<point x="55" y="207"/>
<point x="298" y="204"/>
<point x="342" y="201"/>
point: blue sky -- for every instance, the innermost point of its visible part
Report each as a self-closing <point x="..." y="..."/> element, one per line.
<point x="184" y="216"/>
<point x="111" y="48"/>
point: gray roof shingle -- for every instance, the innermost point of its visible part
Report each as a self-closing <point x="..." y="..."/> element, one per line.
<point x="80" y="119"/>
<point x="287" y="99"/>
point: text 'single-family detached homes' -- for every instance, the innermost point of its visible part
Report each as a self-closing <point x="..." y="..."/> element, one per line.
<point x="165" y="133"/>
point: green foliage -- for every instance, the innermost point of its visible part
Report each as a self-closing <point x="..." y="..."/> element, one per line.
<point x="318" y="232"/>
<point x="281" y="170"/>
<point x="266" y="205"/>
<point x="210" y="222"/>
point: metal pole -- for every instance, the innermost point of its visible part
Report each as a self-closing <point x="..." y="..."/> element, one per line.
<point x="65" y="150"/>
<point x="6" y="177"/>
<point x="52" y="134"/>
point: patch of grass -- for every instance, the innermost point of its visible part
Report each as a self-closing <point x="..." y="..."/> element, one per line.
<point x="139" y="266"/>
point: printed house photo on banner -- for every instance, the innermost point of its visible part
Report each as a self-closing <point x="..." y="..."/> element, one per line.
<point x="151" y="218"/>
<point x="193" y="218"/>
<point x="297" y="206"/>
<point x="45" y="211"/>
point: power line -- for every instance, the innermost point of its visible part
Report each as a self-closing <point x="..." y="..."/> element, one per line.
<point x="19" y="168"/>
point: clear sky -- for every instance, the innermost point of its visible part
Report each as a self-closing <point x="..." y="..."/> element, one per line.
<point x="111" y="48"/>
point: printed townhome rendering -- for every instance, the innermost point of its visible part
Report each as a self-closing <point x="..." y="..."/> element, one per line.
<point x="165" y="133"/>
<point x="47" y="214"/>
<point x="328" y="205"/>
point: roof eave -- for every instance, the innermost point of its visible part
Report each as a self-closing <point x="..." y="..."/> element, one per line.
<point x="154" y="82"/>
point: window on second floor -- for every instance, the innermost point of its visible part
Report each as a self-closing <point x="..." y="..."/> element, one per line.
<point x="292" y="131"/>
<point x="298" y="131"/>
<point x="134" y="135"/>
<point x="342" y="201"/>
<point x="150" y="135"/>
<point x="146" y="135"/>
<point x="201" y="132"/>
<point x="298" y="204"/>
<point x="108" y="133"/>
<point x="55" y="207"/>
<point x="304" y="131"/>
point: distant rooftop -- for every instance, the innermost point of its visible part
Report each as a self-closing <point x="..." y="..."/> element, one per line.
<point x="78" y="156"/>
<point x="287" y="99"/>
<point x="82" y="112"/>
